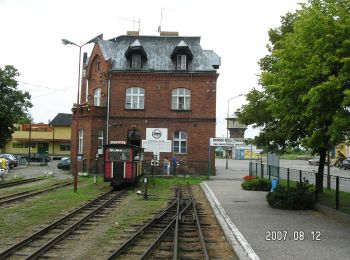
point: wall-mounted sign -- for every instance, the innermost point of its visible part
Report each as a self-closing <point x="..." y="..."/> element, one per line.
<point x="156" y="133"/>
<point x="157" y="146"/>
<point x="117" y="142"/>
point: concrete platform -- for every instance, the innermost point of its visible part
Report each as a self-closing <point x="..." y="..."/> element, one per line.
<point x="252" y="224"/>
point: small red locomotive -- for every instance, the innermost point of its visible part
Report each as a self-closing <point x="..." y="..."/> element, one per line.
<point x="122" y="164"/>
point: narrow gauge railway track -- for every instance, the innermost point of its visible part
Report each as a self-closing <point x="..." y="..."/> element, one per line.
<point x="15" y="183"/>
<point x="39" y="243"/>
<point x="174" y="233"/>
<point x="26" y="194"/>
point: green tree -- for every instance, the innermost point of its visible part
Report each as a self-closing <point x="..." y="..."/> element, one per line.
<point x="14" y="103"/>
<point x="305" y="79"/>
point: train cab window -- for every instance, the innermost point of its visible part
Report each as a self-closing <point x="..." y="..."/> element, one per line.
<point x="119" y="155"/>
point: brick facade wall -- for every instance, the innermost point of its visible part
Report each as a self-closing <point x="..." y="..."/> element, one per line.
<point x="199" y="122"/>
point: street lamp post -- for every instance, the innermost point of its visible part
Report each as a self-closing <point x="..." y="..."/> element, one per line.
<point x="228" y="111"/>
<point x="75" y="159"/>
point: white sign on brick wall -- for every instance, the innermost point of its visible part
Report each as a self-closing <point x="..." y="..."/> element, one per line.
<point x="156" y="133"/>
<point x="157" y="146"/>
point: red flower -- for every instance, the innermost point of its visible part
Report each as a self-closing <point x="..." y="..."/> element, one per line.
<point x="247" y="177"/>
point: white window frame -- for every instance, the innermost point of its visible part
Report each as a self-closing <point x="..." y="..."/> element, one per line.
<point x="181" y="141"/>
<point x="181" y="99"/>
<point x="181" y="62"/>
<point x="135" y="98"/>
<point x="97" y="97"/>
<point x="100" y="138"/>
<point x="136" y="61"/>
<point x="81" y="141"/>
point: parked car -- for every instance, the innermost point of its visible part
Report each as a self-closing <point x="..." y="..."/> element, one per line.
<point x="36" y="157"/>
<point x="315" y="160"/>
<point x="64" y="164"/>
<point x="345" y="164"/>
<point x="12" y="160"/>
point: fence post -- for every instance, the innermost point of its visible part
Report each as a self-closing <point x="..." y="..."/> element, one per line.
<point x="269" y="167"/>
<point x="288" y="178"/>
<point x="316" y="194"/>
<point x="300" y="176"/>
<point x="262" y="171"/>
<point x="328" y="181"/>
<point x="278" y="174"/>
<point x="337" y="193"/>
<point x="250" y="169"/>
<point x="256" y="169"/>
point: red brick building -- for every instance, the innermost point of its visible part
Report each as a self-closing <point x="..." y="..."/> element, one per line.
<point x="133" y="85"/>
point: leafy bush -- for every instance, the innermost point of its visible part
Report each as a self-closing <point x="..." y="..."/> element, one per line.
<point x="299" y="197"/>
<point x="256" y="184"/>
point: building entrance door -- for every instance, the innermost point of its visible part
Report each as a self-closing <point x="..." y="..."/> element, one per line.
<point x="134" y="137"/>
<point x="43" y="148"/>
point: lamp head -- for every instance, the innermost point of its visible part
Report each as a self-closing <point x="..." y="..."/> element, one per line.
<point x="66" y="42"/>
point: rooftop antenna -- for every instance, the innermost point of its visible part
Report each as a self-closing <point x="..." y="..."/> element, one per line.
<point x="133" y="20"/>
<point x="161" y="18"/>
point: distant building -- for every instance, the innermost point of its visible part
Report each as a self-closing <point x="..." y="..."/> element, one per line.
<point x="140" y="89"/>
<point x="51" y="139"/>
<point x="236" y="130"/>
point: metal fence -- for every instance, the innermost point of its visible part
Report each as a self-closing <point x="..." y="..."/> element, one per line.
<point x="336" y="192"/>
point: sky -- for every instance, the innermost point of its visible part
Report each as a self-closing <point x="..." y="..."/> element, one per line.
<point x="31" y="33"/>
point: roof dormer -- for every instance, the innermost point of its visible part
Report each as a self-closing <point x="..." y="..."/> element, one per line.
<point x="182" y="55"/>
<point x="136" y="55"/>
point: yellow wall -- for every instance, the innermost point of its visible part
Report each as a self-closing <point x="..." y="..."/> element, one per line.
<point x="34" y="135"/>
<point x="62" y="134"/>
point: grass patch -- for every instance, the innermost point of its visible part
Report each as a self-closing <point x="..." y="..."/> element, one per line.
<point x="295" y="155"/>
<point x="22" y="218"/>
<point x="44" y="183"/>
<point x="328" y="198"/>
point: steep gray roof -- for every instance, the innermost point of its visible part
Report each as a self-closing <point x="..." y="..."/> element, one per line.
<point x="62" y="119"/>
<point x="158" y="50"/>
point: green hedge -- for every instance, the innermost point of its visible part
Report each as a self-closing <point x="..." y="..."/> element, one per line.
<point x="302" y="196"/>
<point x="256" y="184"/>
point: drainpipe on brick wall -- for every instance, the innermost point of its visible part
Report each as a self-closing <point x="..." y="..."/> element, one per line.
<point x="108" y="102"/>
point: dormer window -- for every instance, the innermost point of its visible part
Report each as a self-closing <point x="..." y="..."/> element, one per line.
<point x="181" y="56"/>
<point x="136" y="55"/>
<point x="136" y="61"/>
<point x="181" y="62"/>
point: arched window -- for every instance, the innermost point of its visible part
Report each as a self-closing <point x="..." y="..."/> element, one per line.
<point x="135" y="98"/>
<point x="181" y="99"/>
<point x="180" y="142"/>
<point x="97" y="97"/>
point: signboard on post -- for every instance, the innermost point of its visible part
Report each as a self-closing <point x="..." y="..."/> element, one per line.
<point x="158" y="146"/>
<point x="157" y="134"/>
<point x="222" y="141"/>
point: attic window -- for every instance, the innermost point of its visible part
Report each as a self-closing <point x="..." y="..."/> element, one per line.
<point x="136" y="61"/>
<point x="136" y="55"/>
<point x="97" y="66"/>
<point x="182" y="56"/>
<point x="181" y="62"/>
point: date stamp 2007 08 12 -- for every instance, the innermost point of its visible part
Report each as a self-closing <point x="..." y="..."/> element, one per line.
<point x="296" y="235"/>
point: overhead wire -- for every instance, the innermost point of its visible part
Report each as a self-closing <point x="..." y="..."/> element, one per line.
<point x="53" y="92"/>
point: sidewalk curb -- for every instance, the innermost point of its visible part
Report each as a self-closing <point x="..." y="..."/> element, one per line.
<point x="234" y="237"/>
